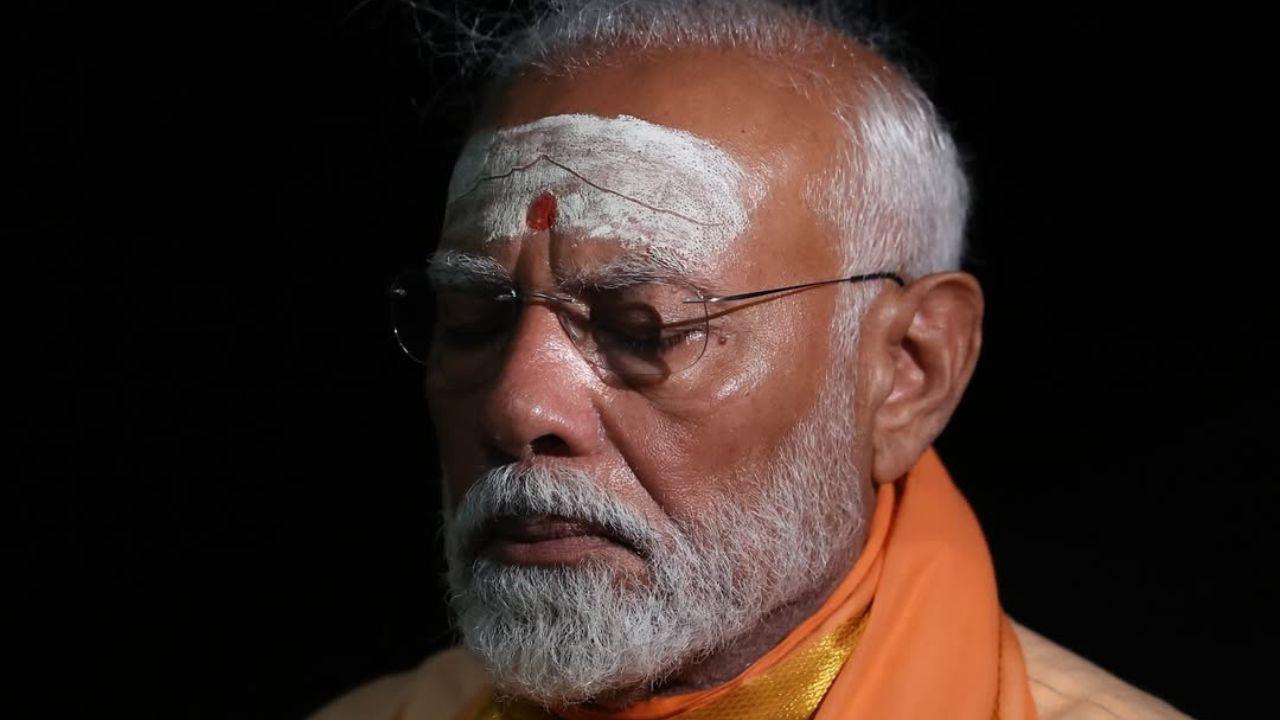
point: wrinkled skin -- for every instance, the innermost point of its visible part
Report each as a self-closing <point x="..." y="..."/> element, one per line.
<point x="670" y="452"/>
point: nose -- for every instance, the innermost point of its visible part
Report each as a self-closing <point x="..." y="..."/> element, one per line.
<point x="541" y="403"/>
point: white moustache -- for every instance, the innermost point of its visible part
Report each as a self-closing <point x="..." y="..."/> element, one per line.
<point x="512" y="491"/>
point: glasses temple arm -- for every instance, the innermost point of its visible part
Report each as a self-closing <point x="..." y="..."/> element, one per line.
<point x="759" y="293"/>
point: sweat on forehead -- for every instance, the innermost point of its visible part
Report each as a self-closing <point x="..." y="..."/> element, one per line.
<point x="664" y="192"/>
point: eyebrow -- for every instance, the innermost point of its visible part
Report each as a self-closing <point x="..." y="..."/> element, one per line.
<point x="629" y="270"/>
<point x="459" y="269"/>
<point x="454" y="268"/>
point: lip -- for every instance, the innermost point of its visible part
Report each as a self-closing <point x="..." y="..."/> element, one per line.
<point x="549" y="540"/>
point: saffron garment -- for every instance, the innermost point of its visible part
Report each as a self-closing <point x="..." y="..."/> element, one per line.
<point x="914" y="630"/>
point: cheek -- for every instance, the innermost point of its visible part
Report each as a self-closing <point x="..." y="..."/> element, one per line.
<point x="662" y="452"/>
<point x="460" y="453"/>
<point x="701" y="449"/>
<point x="685" y="462"/>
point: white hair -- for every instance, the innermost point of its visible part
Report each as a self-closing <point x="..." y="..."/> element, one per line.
<point x="895" y="195"/>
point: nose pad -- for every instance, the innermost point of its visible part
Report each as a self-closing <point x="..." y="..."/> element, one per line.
<point x="576" y="328"/>
<point x="574" y="320"/>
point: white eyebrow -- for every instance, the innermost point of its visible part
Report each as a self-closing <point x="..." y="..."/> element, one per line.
<point x="630" y="270"/>
<point x="454" y="268"/>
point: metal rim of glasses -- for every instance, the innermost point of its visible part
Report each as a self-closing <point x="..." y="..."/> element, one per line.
<point x="397" y="292"/>
<point x="411" y="323"/>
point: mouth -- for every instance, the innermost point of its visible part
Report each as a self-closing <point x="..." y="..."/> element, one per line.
<point x="549" y="540"/>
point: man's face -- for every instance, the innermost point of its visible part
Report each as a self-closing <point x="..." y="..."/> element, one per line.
<point x="604" y="528"/>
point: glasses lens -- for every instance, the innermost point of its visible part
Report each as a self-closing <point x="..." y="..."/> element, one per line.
<point x="640" y="332"/>
<point x="459" y="331"/>
<point x="473" y="325"/>
<point x="644" y="331"/>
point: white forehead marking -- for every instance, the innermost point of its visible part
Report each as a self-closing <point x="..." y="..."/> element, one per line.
<point x="663" y="190"/>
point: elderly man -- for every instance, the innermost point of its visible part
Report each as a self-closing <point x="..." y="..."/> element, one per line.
<point x="693" y="324"/>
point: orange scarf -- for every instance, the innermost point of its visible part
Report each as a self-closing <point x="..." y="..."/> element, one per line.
<point x="915" y="628"/>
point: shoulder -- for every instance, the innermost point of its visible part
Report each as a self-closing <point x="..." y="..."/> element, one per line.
<point x="436" y="690"/>
<point x="1065" y="686"/>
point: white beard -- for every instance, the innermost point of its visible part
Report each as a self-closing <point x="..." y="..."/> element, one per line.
<point x="565" y="634"/>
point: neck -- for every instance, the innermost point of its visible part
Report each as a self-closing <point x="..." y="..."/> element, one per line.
<point x="727" y="662"/>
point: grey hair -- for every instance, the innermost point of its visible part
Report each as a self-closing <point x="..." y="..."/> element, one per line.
<point x="895" y="195"/>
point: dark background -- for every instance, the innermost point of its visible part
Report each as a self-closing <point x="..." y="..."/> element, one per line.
<point x="225" y="502"/>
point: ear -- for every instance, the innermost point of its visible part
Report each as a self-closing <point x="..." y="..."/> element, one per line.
<point x="916" y="354"/>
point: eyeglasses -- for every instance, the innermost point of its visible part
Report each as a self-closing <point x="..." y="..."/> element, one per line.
<point x="641" y="332"/>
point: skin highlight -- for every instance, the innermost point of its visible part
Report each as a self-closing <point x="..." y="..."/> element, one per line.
<point x="684" y="446"/>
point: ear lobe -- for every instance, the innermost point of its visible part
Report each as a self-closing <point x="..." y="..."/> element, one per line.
<point x="929" y="351"/>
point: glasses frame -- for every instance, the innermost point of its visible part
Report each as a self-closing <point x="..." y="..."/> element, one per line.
<point x="514" y="294"/>
<point x="884" y="275"/>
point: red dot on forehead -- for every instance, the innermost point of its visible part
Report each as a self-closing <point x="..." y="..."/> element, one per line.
<point x="542" y="212"/>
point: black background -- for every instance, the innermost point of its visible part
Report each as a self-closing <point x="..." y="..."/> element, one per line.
<point x="225" y="502"/>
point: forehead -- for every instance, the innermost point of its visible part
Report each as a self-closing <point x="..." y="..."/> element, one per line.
<point x="649" y="189"/>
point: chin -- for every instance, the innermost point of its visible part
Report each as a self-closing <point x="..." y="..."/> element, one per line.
<point x="567" y="634"/>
